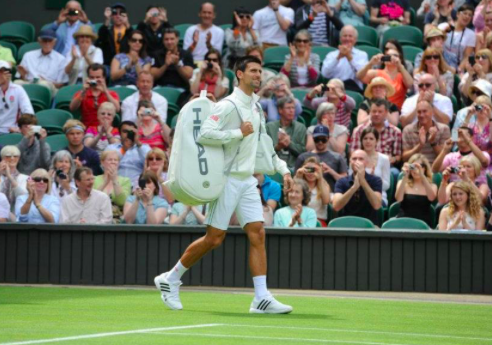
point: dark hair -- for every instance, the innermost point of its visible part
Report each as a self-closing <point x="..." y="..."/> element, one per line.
<point x="79" y="171"/>
<point x="143" y="50"/>
<point x="96" y="67"/>
<point x="151" y="176"/>
<point x="399" y="48"/>
<point x="239" y="10"/>
<point x="466" y="7"/>
<point x="145" y="104"/>
<point x="151" y="6"/>
<point x="242" y="63"/>
<point x="128" y="123"/>
<point x="468" y="129"/>
<point x="27" y="119"/>
<point x="171" y="31"/>
<point x="380" y="102"/>
<point x="367" y="131"/>
<point x="219" y="57"/>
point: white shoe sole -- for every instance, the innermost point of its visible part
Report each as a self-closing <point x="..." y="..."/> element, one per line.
<point x="158" y="286"/>
<point x="257" y="311"/>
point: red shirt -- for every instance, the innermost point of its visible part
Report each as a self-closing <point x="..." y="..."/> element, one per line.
<point x="88" y="107"/>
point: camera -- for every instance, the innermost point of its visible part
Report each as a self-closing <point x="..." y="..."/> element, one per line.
<point x="411" y="167"/>
<point x="155" y="14"/>
<point x="454" y="170"/>
<point x="148" y="111"/>
<point x="92" y="82"/>
<point x="61" y="175"/>
<point x="36" y="129"/>
<point x="73" y="12"/>
<point x="386" y="58"/>
<point x="310" y="169"/>
<point x="325" y="88"/>
<point x="142" y="183"/>
<point x="478" y="107"/>
<point x="471" y="60"/>
<point x="210" y="65"/>
<point x="131" y="135"/>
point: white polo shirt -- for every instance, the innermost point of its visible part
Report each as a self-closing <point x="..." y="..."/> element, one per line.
<point x="50" y="67"/>
<point x="130" y="104"/>
<point x="443" y="103"/>
<point x="267" y="26"/>
<point x="201" y="47"/>
<point x="13" y="103"/>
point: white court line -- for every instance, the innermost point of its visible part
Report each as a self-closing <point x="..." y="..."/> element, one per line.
<point x="358" y="331"/>
<point x="111" y="334"/>
<point x="277" y="338"/>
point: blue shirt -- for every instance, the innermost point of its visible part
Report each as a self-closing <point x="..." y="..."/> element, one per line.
<point x="133" y="160"/>
<point x="89" y="158"/>
<point x="269" y="106"/>
<point x="64" y="35"/>
<point x="141" y="217"/>
<point x="283" y="217"/>
<point x="49" y="202"/>
<point x="271" y="189"/>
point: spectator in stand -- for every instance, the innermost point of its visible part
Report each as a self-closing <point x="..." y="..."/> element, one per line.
<point x="393" y="44"/>
<point x="82" y="155"/>
<point x="70" y="19"/>
<point x="484" y="36"/>
<point x="345" y="62"/>
<point x="427" y="6"/>
<point x="390" y="142"/>
<point x="173" y="66"/>
<point x="478" y="89"/>
<point x="61" y="172"/>
<point x="100" y="136"/>
<point x="325" y="116"/>
<point x="270" y="190"/>
<point x="240" y="37"/>
<point x="320" y="21"/>
<point x="335" y="94"/>
<point x="38" y="206"/>
<point x="278" y="87"/>
<point x="378" y="88"/>
<point x="415" y="191"/>
<point x="157" y="162"/>
<point x="301" y="66"/>
<point x="272" y="23"/>
<point x="464" y="211"/>
<point x="288" y="135"/>
<point x="151" y="130"/>
<point x="43" y="66"/>
<point x="483" y="13"/>
<point x="133" y="151"/>
<point x="82" y="55"/>
<point x="210" y="76"/>
<point x="94" y="93"/>
<point x="350" y="12"/>
<point x="6" y="55"/>
<point x="86" y="206"/>
<point x="443" y="12"/>
<point x="133" y="59"/>
<point x="461" y="40"/>
<point x="425" y="136"/>
<point x="113" y="39"/>
<point x="145" y="206"/>
<point x="469" y="169"/>
<point x="434" y="38"/>
<point x="482" y="69"/>
<point x="442" y="105"/>
<point x="433" y="63"/>
<point x="118" y="188"/>
<point x="389" y="13"/>
<point x="188" y="215"/>
<point x="358" y="194"/>
<point x="12" y="182"/>
<point x="153" y="27"/>
<point x="145" y="83"/>
<point x="204" y="36"/>
<point x="333" y="164"/>
<point x="36" y="152"/>
<point x="393" y="71"/>
<point x="14" y="100"/>
<point x="296" y="214"/>
<point x="5" y="215"/>
<point x="312" y="173"/>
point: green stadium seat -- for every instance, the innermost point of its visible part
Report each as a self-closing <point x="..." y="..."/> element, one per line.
<point x="405" y="223"/>
<point x="10" y="139"/>
<point x="351" y="222"/>
<point x="123" y="92"/>
<point x="172" y="96"/>
<point x="231" y="76"/>
<point x="182" y="30"/>
<point x="393" y="210"/>
<point x="11" y="46"/>
<point x="410" y="52"/>
<point x="274" y="57"/>
<point x="300" y="94"/>
<point x="64" y="96"/>
<point x="405" y="34"/>
<point x="27" y="47"/>
<point x="322" y="52"/>
<point x="225" y="26"/>
<point x="39" y="95"/>
<point x="367" y="35"/>
<point x="174" y="121"/>
<point x="97" y="26"/>
<point x="54" y="118"/>
<point x="17" y="32"/>
<point x="371" y="51"/>
<point x="269" y="69"/>
<point x="358" y="98"/>
<point x="57" y="142"/>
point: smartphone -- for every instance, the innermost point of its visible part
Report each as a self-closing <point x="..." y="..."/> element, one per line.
<point x="142" y="183"/>
<point x="411" y="167"/>
<point x="131" y="135"/>
<point x="386" y="58"/>
<point x="471" y="60"/>
<point x="281" y="130"/>
<point x="454" y="135"/>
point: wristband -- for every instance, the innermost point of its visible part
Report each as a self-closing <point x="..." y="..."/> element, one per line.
<point x="311" y="17"/>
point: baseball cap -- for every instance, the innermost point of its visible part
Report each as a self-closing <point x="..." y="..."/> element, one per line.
<point x="47" y="33"/>
<point x="118" y="5"/>
<point x="5" y="64"/>
<point x="321" y="131"/>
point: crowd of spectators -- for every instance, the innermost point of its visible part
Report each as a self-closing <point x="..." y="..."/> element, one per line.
<point x="384" y="129"/>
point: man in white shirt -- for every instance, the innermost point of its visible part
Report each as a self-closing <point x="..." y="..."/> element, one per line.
<point x="272" y="23"/>
<point x="43" y="66"/>
<point x="443" y="107"/>
<point x="87" y="205"/>
<point x="345" y="62"/>
<point x="240" y="195"/>
<point x="145" y="83"/>
<point x="13" y="100"/>
<point x="205" y="35"/>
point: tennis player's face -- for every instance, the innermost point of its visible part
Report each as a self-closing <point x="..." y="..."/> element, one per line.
<point x="252" y="75"/>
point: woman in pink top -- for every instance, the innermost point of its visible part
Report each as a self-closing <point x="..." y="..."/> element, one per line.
<point x="151" y="129"/>
<point x="481" y="15"/>
<point x="393" y="71"/>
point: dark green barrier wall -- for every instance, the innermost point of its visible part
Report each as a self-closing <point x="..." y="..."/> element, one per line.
<point x="361" y="260"/>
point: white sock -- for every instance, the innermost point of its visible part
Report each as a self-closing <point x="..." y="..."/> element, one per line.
<point x="176" y="272"/>
<point x="260" y="286"/>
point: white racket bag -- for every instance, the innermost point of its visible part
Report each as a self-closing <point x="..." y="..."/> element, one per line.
<point x="196" y="172"/>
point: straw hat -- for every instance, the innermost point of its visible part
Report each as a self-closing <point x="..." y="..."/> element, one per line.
<point x="435" y="32"/>
<point x="85" y="30"/>
<point x="379" y="81"/>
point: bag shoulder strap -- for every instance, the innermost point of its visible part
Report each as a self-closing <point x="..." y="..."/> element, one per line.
<point x="229" y="168"/>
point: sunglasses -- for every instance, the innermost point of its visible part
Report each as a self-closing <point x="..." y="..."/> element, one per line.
<point x="476" y="92"/>
<point x="426" y="85"/>
<point x="302" y="41"/>
<point x="212" y="60"/>
<point x="158" y="159"/>
<point x="320" y="140"/>
<point x="5" y="103"/>
<point x="11" y="156"/>
<point x="435" y="57"/>
<point x="137" y="40"/>
<point x="41" y="179"/>
<point x="126" y="131"/>
<point x="242" y="16"/>
<point x="481" y="57"/>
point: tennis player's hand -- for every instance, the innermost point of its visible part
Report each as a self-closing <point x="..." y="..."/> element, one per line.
<point x="246" y="128"/>
<point x="287" y="183"/>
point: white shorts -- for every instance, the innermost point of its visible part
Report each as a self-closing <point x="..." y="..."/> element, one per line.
<point x="240" y="196"/>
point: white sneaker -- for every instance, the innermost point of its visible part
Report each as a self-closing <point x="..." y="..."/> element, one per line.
<point x="169" y="291"/>
<point x="269" y="305"/>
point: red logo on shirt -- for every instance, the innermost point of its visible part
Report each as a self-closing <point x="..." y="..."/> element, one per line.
<point x="215" y="118"/>
<point x="12" y="98"/>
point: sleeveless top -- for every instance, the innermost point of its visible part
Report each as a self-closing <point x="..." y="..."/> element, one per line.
<point x="400" y="89"/>
<point x="468" y="220"/>
<point x="416" y="206"/>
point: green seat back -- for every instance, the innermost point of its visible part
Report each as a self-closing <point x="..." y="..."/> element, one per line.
<point x="174" y="121"/>
<point x="11" y="46"/>
<point x="367" y="35"/>
<point x="300" y="94"/>
<point x="123" y="92"/>
<point x="405" y="34"/>
<point x="10" y="139"/>
<point x="358" y="98"/>
<point x="97" y="26"/>
<point x="371" y="51"/>
<point x="182" y="30"/>
<point x="27" y="47"/>
<point x="225" y="26"/>
<point x="57" y="142"/>
<point x="65" y="94"/>
<point x="393" y="210"/>
<point x="405" y="223"/>
<point x="410" y="52"/>
<point x="274" y="57"/>
<point x="351" y="222"/>
<point x="17" y="32"/>
<point x="322" y="52"/>
<point x="437" y="178"/>
<point x="53" y="117"/>
<point x="229" y="73"/>
<point x="39" y="95"/>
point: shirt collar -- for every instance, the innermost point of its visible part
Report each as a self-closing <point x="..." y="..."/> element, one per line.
<point x="244" y="97"/>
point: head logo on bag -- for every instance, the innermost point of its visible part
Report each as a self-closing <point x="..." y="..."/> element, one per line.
<point x="202" y="161"/>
